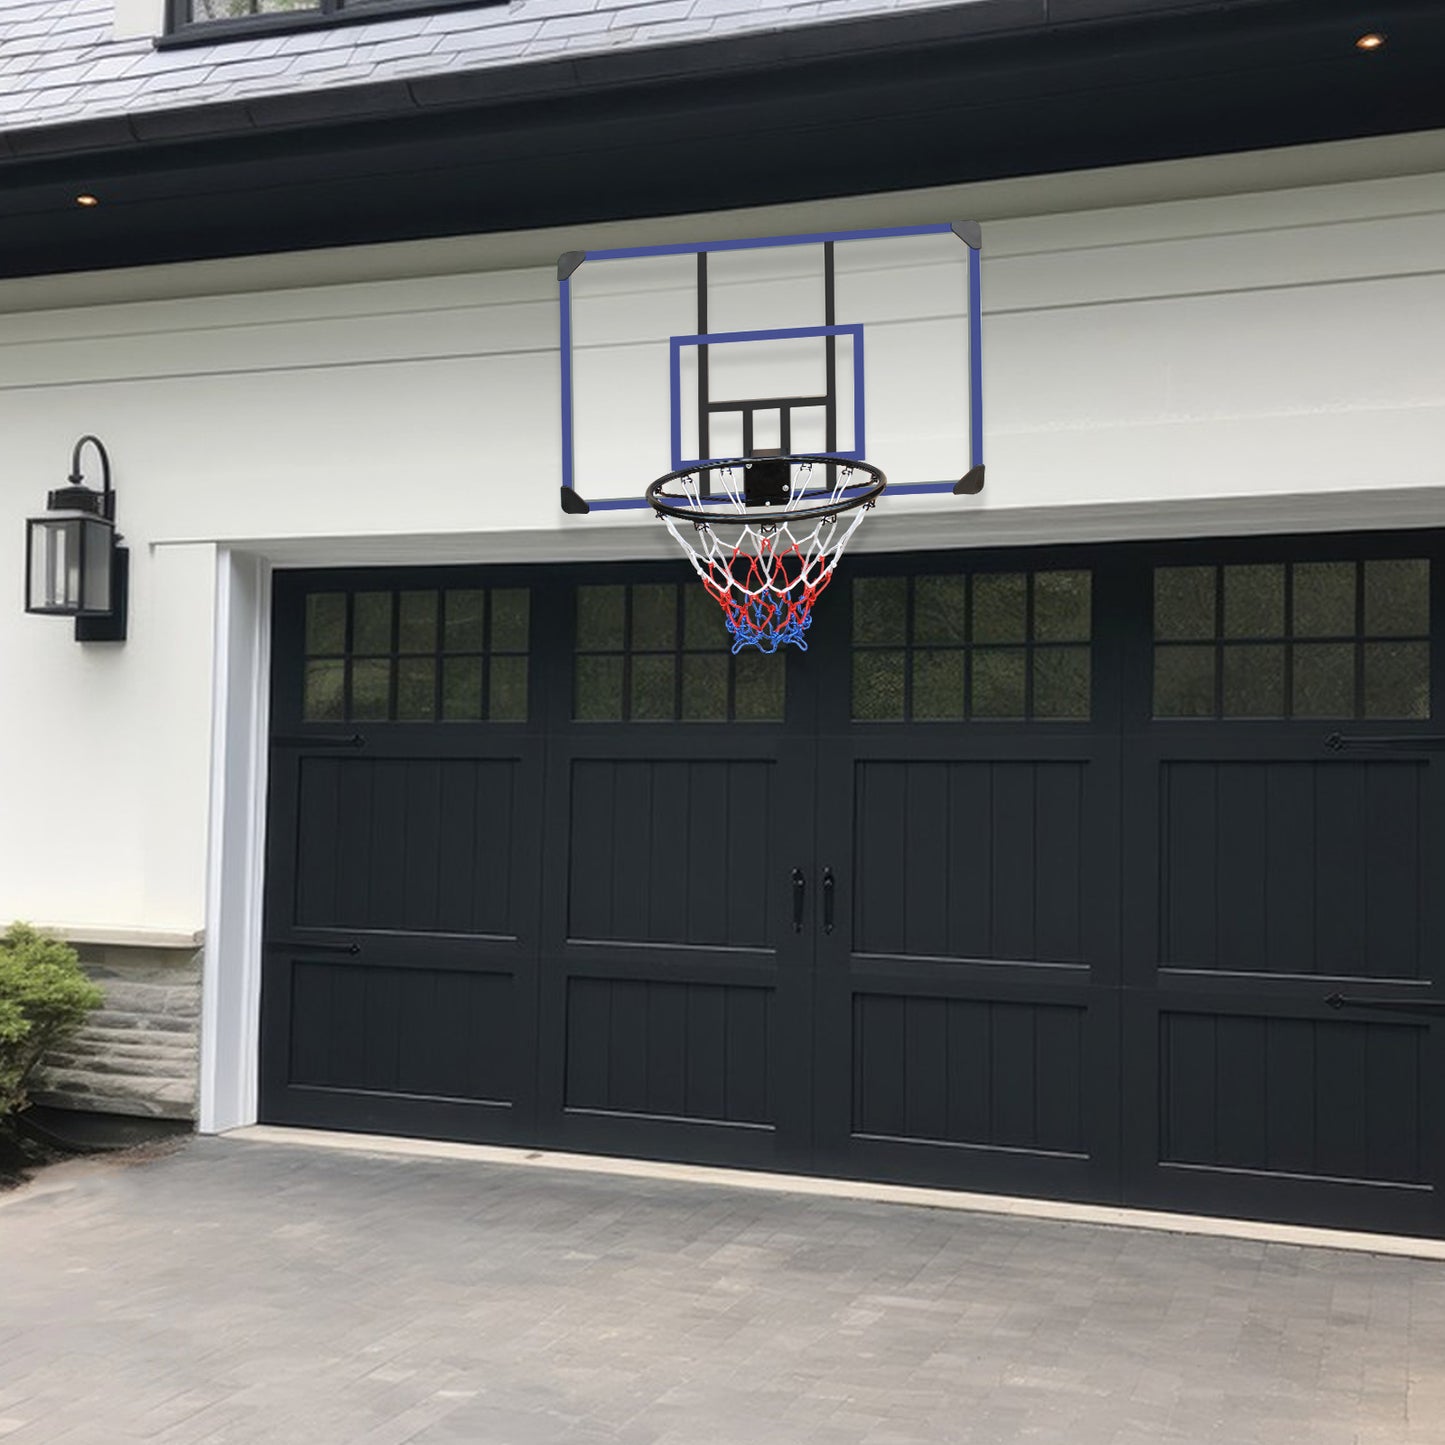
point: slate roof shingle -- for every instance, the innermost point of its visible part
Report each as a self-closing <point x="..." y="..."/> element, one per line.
<point x="59" y="62"/>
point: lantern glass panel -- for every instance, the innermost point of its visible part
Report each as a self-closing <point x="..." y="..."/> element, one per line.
<point x="55" y="564"/>
<point x="95" y="566"/>
<point x="70" y="562"/>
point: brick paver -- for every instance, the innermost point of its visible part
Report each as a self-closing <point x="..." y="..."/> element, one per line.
<point x="244" y="1292"/>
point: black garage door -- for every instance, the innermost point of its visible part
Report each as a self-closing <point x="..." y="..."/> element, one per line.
<point x="1098" y="873"/>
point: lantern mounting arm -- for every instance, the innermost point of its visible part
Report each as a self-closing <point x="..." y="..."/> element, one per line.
<point x="77" y="497"/>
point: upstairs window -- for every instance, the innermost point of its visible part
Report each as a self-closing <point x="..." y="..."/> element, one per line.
<point x="197" y="21"/>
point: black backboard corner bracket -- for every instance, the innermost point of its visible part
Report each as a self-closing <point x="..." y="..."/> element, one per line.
<point x="970" y="233"/>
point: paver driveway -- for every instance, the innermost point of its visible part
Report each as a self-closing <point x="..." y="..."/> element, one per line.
<point x="249" y="1292"/>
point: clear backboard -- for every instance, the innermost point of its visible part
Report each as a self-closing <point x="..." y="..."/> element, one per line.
<point x="862" y="345"/>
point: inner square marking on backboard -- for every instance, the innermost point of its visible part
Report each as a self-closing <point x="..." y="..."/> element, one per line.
<point x="708" y="407"/>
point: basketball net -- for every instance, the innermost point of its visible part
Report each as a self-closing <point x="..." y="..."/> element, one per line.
<point x="764" y="567"/>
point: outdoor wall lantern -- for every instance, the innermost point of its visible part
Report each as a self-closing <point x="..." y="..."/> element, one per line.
<point x="73" y="565"/>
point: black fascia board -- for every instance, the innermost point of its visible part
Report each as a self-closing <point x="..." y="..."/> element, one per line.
<point x="972" y="22"/>
<point x="384" y="168"/>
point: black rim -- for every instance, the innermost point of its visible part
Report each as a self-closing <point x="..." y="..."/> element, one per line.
<point x="855" y="494"/>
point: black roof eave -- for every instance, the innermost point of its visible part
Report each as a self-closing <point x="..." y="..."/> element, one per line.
<point x="987" y="90"/>
<point x="596" y="73"/>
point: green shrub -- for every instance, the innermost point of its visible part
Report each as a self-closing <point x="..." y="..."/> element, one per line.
<point x="44" y="998"/>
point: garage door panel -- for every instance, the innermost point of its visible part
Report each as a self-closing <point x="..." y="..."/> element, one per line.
<point x="417" y="845"/>
<point x="678" y="1050"/>
<point x="970" y="859"/>
<point x="1329" y="1098"/>
<point x="671" y="851"/>
<point x="969" y="1071"/>
<point x="1292" y="866"/>
<point x="422" y="1032"/>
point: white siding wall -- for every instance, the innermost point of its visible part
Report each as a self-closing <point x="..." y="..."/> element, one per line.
<point x="1263" y="361"/>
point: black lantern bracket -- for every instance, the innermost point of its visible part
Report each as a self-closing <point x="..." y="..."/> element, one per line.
<point x="112" y="627"/>
<point x="98" y="597"/>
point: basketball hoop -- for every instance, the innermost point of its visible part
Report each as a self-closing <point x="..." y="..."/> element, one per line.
<point x="764" y="534"/>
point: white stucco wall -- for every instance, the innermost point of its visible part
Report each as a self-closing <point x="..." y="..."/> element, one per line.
<point x="1257" y="361"/>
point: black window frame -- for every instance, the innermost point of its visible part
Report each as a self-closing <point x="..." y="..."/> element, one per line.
<point x="182" y="29"/>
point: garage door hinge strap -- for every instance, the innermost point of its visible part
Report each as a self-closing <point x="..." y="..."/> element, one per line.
<point x="321" y="740"/>
<point x="1388" y="1005"/>
<point x="1403" y="742"/>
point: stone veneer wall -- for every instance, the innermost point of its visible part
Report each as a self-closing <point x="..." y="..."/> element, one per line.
<point x="139" y="1053"/>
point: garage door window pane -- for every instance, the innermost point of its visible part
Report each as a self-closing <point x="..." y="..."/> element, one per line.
<point x="878" y="685"/>
<point x="939" y="608"/>
<point x="654" y="617"/>
<point x="598" y="695"/>
<point x="1335" y="639"/>
<point x="1397" y="598"/>
<point x="371" y="690"/>
<point x="508" y="699"/>
<point x="600" y="617"/>
<point x="416" y="689"/>
<point x="1324" y="680"/>
<point x="938" y="690"/>
<point x="880" y="610"/>
<point x="1254" y="681"/>
<point x="1184" y="602"/>
<point x="462" y="689"/>
<point x="998" y="682"/>
<point x="702" y="621"/>
<point x="653" y="689"/>
<point x="466" y="619"/>
<point x="1061" y="683"/>
<point x="1397" y="679"/>
<point x="1000" y="607"/>
<point x="1324" y="599"/>
<point x="1254" y="601"/>
<point x="325" y="623"/>
<point x="1062" y="606"/>
<point x="371" y="622"/>
<point x="510" y="609"/>
<point x="1183" y="682"/>
<point x="325" y="698"/>
<point x="417" y="628"/>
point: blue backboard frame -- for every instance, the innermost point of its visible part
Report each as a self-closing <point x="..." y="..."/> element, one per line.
<point x="968" y="233"/>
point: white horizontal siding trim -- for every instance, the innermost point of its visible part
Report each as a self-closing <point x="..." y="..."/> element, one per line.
<point x="125" y="935"/>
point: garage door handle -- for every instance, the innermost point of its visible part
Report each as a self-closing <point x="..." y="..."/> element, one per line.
<point x="1388" y="1005"/>
<point x="829" y="887"/>
<point x="800" y="887"/>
